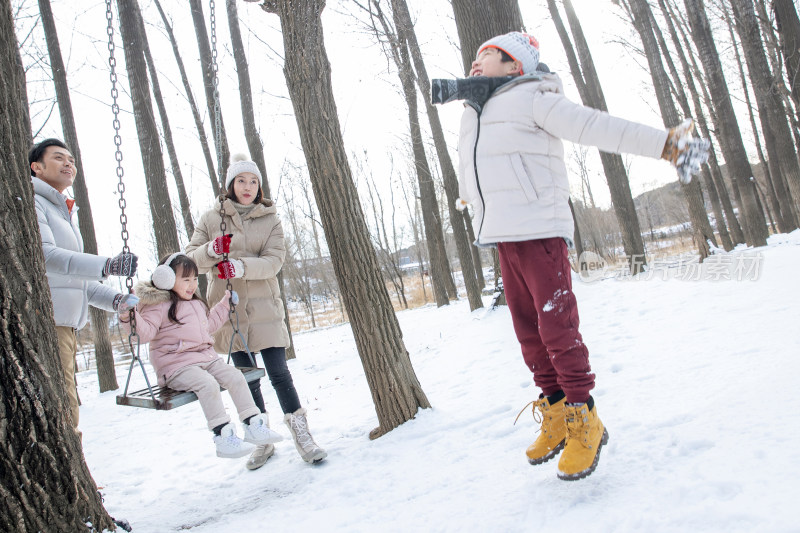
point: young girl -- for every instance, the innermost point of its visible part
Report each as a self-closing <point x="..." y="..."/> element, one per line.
<point x="177" y="323"/>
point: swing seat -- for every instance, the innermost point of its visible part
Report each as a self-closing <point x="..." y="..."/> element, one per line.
<point x="167" y="398"/>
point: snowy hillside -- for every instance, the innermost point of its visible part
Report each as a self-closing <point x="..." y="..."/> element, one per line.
<point x="695" y="383"/>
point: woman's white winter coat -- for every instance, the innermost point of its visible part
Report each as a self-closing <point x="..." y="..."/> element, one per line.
<point x="511" y="156"/>
<point x="74" y="277"/>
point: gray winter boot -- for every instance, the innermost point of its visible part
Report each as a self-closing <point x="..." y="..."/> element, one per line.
<point x="306" y="447"/>
<point x="260" y="456"/>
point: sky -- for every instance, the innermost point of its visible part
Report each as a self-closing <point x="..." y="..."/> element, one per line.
<point x="688" y="360"/>
<point x="372" y="112"/>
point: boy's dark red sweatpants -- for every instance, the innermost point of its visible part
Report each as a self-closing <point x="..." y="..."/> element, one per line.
<point x="537" y="280"/>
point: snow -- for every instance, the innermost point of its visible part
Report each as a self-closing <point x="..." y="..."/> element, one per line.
<point x="693" y="378"/>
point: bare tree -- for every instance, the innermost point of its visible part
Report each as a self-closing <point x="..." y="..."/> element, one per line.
<point x="207" y="63"/>
<point x="789" y="29"/>
<point x="588" y="84"/>
<point x="183" y="198"/>
<point x="397" y="50"/>
<point x="644" y="22"/>
<point x="164" y="227"/>
<point x="691" y="73"/>
<point x="777" y="137"/>
<point x="198" y="122"/>
<point x="104" y="357"/>
<point x="46" y="484"/>
<point x="755" y="225"/>
<point x="472" y="284"/>
<point x="396" y="391"/>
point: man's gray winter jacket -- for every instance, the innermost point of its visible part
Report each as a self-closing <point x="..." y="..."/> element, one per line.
<point x="74" y="276"/>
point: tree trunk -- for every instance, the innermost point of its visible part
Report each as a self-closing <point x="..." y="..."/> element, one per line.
<point x="449" y="178"/>
<point x="251" y="134"/>
<point x="106" y="374"/>
<point x="730" y="233"/>
<point x="164" y="226"/>
<point x="683" y="100"/>
<point x="643" y="21"/>
<point x="206" y="61"/>
<point x="755" y="225"/>
<point x="478" y="21"/>
<point x="777" y="136"/>
<point x="183" y="198"/>
<point x="440" y="267"/>
<point x="789" y="29"/>
<point x="780" y="203"/>
<point x="396" y="392"/>
<point x="46" y="485"/>
<point x="591" y="93"/>
<point x="198" y="122"/>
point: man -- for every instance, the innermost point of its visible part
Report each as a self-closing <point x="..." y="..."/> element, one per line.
<point x="74" y="277"/>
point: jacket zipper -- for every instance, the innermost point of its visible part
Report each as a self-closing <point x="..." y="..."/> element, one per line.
<point x="478" y="110"/>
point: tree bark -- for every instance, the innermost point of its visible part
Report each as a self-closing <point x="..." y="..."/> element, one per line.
<point x="46" y="485"/>
<point x="198" y="122"/>
<point x="183" y="198"/>
<point x="784" y="167"/>
<point x="206" y="61"/>
<point x="728" y="225"/>
<point x="104" y="357"/>
<point x="588" y="84"/>
<point x="691" y="73"/>
<point x="251" y="133"/>
<point x="449" y="177"/>
<point x="395" y="389"/>
<point x="789" y="29"/>
<point x="683" y="100"/>
<point x="755" y="225"/>
<point x="164" y="226"/>
<point x="644" y="23"/>
<point x="432" y="224"/>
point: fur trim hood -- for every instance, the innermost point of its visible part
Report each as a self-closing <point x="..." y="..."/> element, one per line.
<point x="149" y="294"/>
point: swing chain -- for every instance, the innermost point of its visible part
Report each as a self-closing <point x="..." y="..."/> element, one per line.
<point x="218" y="134"/>
<point x="123" y="218"/>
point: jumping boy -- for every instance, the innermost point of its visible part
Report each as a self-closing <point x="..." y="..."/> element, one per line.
<point x="512" y="172"/>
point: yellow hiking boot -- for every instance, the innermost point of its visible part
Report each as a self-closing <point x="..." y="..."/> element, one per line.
<point x="552" y="433"/>
<point x="585" y="436"/>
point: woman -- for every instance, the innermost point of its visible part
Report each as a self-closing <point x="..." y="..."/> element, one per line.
<point x="255" y="246"/>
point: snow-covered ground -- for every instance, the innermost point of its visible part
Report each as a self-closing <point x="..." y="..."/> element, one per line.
<point x="696" y="383"/>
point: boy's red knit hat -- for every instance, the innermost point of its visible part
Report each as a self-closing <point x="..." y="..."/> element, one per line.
<point x="520" y="46"/>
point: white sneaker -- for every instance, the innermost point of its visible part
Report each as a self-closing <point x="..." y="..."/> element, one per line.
<point x="229" y="445"/>
<point x="306" y="447"/>
<point x="258" y="432"/>
<point x="260" y="456"/>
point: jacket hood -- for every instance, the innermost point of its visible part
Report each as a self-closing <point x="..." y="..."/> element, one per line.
<point x="149" y="294"/>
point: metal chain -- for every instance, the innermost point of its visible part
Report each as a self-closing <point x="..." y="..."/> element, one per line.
<point x="218" y="137"/>
<point x="123" y="218"/>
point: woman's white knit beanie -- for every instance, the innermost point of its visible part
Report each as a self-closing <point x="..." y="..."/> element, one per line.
<point x="241" y="164"/>
<point x="520" y="46"/>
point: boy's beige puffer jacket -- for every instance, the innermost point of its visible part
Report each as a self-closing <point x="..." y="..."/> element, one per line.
<point x="512" y="166"/>
<point x="258" y="242"/>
